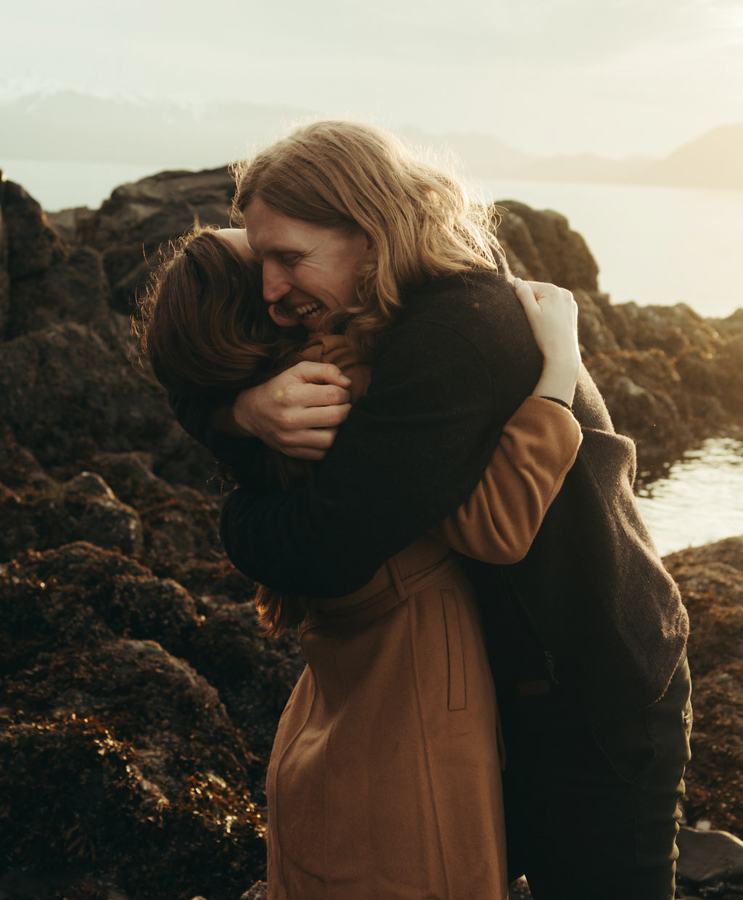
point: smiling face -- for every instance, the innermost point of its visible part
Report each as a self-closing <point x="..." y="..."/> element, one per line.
<point x="308" y="269"/>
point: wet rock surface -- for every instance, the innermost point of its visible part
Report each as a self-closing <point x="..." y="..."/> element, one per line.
<point x="138" y="700"/>
<point x="711" y="581"/>
<point x="710" y="856"/>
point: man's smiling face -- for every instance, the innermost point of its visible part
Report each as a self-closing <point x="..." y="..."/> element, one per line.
<point x="308" y="269"/>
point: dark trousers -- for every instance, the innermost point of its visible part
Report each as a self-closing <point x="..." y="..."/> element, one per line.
<point x="591" y="809"/>
<point x="591" y="812"/>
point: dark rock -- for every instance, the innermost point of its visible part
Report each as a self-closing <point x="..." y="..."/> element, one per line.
<point x="122" y="762"/>
<point x="18" y="466"/>
<point x="180" y="524"/>
<point x="137" y="219"/>
<point x="711" y="582"/>
<point x="131" y="762"/>
<point x="715" y="781"/>
<point x="730" y="375"/>
<point x="696" y="373"/>
<point x="731" y="326"/>
<point x="670" y="378"/>
<point x="74" y="290"/>
<point x="562" y="253"/>
<point x="68" y="395"/>
<point x="594" y="334"/>
<point x="4" y="276"/>
<point x="79" y="593"/>
<point x="253" y="675"/>
<point x="728" y="552"/>
<point x="129" y="474"/>
<point x="516" y="240"/>
<point x="644" y="396"/>
<point x="84" y="509"/>
<point x="70" y="224"/>
<point x="32" y="245"/>
<point x="519" y="890"/>
<point x="706" y="856"/>
<point x="162" y="206"/>
<point x="671" y="329"/>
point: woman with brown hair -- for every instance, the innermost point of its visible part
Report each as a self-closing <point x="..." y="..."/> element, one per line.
<point x="587" y="633"/>
<point x="384" y="779"/>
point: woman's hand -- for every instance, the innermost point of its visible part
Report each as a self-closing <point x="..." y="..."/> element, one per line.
<point x="298" y="411"/>
<point x="553" y="315"/>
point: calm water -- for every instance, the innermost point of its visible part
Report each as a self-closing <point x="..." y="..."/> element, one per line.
<point x="701" y="499"/>
<point x="61" y="185"/>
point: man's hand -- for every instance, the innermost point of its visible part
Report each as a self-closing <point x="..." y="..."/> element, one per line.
<point x="298" y="411"/>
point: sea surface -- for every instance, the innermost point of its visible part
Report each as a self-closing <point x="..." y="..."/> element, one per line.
<point x="700" y="500"/>
<point x="64" y="185"/>
<point x="654" y="245"/>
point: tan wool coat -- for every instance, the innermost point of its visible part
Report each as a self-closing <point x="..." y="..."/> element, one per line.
<point x="384" y="780"/>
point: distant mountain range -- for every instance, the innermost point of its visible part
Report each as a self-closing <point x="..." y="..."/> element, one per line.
<point x="80" y="127"/>
<point x="714" y="160"/>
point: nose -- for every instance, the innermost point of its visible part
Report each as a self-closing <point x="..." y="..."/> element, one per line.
<point x="275" y="284"/>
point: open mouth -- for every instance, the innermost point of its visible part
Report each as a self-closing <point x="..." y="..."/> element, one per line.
<point x="287" y="318"/>
<point x="308" y="310"/>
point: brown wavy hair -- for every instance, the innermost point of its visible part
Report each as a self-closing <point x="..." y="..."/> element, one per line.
<point x="202" y="321"/>
<point x="340" y="174"/>
<point x="203" y="324"/>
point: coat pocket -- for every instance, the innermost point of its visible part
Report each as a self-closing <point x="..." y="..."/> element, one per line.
<point x="457" y="696"/>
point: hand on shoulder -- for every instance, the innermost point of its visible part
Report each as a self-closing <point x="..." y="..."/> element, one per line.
<point x="553" y="316"/>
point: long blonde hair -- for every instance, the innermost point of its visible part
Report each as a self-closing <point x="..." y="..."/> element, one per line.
<point x="340" y="174"/>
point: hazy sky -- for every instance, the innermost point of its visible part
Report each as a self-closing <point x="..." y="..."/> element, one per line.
<point x="610" y="76"/>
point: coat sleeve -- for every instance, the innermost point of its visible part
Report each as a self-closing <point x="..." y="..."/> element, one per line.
<point x="196" y="414"/>
<point x="500" y="519"/>
<point x="411" y="451"/>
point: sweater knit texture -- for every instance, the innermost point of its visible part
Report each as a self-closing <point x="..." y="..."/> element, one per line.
<point x="446" y="377"/>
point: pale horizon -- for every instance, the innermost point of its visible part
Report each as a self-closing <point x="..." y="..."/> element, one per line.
<point x="551" y="77"/>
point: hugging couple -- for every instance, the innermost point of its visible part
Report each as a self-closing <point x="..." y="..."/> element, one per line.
<point x="429" y="487"/>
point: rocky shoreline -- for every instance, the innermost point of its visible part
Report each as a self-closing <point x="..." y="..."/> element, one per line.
<point x="138" y="701"/>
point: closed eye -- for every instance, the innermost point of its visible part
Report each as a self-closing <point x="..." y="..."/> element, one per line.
<point x="288" y="260"/>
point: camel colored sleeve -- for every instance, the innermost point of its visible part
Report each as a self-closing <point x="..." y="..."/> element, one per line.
<point x="499" y="521"/>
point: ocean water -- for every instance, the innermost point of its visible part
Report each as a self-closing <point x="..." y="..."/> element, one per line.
<point x="700" y="500"/>
<point x="63" y="185"/>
